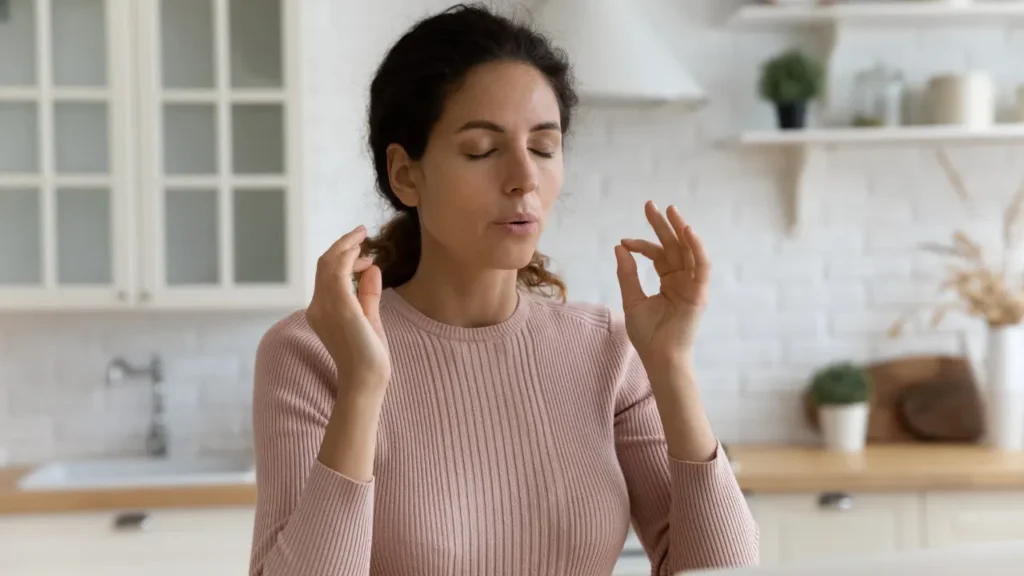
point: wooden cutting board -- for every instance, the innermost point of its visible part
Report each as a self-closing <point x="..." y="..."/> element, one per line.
<point x="893" y="378"/>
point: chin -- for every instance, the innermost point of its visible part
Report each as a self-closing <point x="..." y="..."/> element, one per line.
<point x="511" y="257"/>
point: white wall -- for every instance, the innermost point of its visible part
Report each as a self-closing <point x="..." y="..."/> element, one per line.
<point x="781" y="306"/>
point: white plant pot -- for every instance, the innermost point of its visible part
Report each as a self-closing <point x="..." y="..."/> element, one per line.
<point x="1004" y="392"/>
<point x="844" y="427"/>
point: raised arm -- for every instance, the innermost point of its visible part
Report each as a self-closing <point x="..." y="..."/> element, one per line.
<point x="319" y="386"/>
<point x="689" y="510"/>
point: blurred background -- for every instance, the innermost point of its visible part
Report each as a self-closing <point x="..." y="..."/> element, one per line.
<point x="171" y="169"/>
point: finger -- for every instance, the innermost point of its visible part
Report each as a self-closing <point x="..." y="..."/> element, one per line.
<point x="702" y="264"/>
<point x="653" y="252"/>
<point x="346" y="242"/>
<point x="370" y="288"/>
<point x="362" y="263"/>
<point x="650" y="250"/>
<point x="679" y="226"/>
<point x="666" y="236"/>
<point x="346" y="261"/>
<point x="629" y="279"/>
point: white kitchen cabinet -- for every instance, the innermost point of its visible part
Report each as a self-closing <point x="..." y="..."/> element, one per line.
<point x="201" y="542"/>
<point x="807" y="527"/>
<point x="150" y="154"/>
<point x="968" y="517"/>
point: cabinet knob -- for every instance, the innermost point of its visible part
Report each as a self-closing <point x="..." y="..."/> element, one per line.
<point x="835" y="501"/>
<point x="122" y="295"/>
<point x="145" y="296"/>
<point x="131" y="522"/>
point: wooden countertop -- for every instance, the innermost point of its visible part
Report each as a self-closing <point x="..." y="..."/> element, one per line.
<point x="880" y="468"/>
<point x="758" y="468"/>
<point x="15" y="501"/>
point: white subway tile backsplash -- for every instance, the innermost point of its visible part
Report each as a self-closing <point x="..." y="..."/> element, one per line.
<point x="784" y="378"/>
<point x="874" y="267"/>
<point x="806" y="323"/>
<point x="867" y="323"/>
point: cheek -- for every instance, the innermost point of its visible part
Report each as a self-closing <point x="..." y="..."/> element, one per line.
<point x="455" y="197"/>
<point x="551" y="180"/>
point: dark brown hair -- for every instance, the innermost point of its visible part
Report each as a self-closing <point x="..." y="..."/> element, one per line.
<point x="407" y="98"/>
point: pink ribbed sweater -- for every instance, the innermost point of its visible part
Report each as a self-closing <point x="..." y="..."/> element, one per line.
<point x="524" y="448"/>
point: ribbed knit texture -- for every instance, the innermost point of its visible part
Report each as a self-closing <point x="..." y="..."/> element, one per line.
<point x="523" y="448"/>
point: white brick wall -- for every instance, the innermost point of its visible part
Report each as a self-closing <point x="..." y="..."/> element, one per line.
<point x="781" y="306"/>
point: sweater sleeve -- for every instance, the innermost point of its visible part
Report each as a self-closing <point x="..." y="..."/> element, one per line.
<point x="310" y="520"/>
<point x="687" y="515"/>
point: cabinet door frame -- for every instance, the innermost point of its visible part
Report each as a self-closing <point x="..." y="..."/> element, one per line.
<point x="117" y="95"/>
<point x="155" y="292"/>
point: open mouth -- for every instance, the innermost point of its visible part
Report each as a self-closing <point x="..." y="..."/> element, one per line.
<point x="520" y="227"/>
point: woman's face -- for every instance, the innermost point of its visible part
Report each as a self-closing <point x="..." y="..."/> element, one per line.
<point x="492" y="168"/>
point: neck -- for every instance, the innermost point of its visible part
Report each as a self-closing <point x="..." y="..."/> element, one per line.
<point x="450" y="293"/>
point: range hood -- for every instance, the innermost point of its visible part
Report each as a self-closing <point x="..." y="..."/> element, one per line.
<point x="616" y="54"/>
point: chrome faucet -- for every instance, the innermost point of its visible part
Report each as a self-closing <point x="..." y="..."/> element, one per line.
<point x="156" y="438"/>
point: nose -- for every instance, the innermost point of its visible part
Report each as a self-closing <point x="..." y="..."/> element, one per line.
<point x="521" y="173"/>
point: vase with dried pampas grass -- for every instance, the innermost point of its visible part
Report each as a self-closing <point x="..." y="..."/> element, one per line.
<point x="994" y="294"/>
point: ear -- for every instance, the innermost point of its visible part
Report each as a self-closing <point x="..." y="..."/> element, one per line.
<point x="403" y="174"/>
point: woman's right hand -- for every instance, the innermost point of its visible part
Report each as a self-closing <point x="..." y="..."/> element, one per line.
<point x="348" y="322"/>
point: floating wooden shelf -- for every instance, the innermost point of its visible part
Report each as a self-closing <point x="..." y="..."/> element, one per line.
<point x="889" y="13"/>
<point x="804" y="148"/>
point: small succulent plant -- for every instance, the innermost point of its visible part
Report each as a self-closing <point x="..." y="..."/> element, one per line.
<point x="840" y="383"/>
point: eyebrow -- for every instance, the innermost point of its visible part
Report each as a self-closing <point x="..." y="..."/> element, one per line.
<point x="487" y="125"/>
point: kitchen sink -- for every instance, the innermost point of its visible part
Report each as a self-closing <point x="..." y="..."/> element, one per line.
<point x="139" y="472"/>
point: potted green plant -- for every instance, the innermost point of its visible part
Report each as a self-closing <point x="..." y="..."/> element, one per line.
<point x="790" y="80"/>
<point x="841" y="394"/>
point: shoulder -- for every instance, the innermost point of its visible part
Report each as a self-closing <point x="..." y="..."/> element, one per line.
<point x="290" y="354"/>
<point x="291" y="333"/>
<point x="594" y="337"/>
<point x="589" y="321"/>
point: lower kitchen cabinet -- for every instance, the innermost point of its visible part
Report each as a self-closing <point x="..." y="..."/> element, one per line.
<point x="966" y="517"/>
<point x="795" y="528"/>
<point x="800" y="528"/>
<point x="206" y="542"/>
<point x="810" y="527"/>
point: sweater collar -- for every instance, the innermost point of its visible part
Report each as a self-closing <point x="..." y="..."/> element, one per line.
<point x="503" y="329"/>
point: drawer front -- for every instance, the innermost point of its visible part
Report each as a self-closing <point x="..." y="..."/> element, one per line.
<point x="808" y="527"/>
<point x="956" y="518"/>
<point x="165" y="541"/>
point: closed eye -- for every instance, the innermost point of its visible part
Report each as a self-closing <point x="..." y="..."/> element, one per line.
<point x="481" y="156"/>
<point x="547" y="155"/>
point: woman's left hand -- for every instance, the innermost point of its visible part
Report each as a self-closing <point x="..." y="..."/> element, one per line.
<point x="662" y="327"/>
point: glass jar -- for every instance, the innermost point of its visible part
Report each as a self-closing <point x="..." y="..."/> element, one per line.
<point x="878" y="97"/>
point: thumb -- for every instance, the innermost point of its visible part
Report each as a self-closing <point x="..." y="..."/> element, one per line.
<point x="629" y="279"/>
<point x="369" y="294"/>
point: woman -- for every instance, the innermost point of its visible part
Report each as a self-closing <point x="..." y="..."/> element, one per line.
<point x="448" y="416"/>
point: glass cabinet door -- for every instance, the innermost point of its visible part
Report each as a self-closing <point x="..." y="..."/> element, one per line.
<point x="62" y="204"/>
<point x="221" y="196"/>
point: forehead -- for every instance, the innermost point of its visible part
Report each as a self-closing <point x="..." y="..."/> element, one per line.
<point x="512" y="94"/>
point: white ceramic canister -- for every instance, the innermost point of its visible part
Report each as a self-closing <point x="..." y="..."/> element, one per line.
<point x="966" y="99"/>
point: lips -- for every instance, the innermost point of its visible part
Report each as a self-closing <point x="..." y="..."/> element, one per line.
<point x="518" y="218"/>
